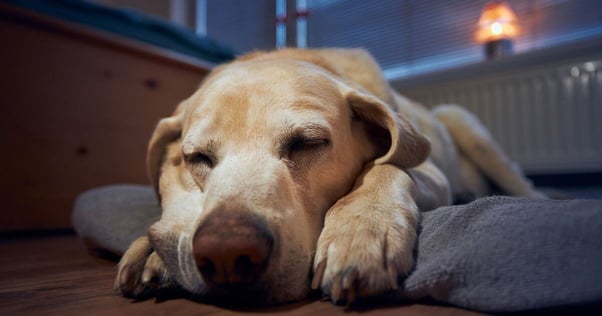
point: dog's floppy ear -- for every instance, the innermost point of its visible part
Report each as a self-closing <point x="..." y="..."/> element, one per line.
<point x="407" y="147"/>
<point x="168" y="130"/>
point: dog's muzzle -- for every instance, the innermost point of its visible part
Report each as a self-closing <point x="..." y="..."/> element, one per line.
<point x="232" y="249"/>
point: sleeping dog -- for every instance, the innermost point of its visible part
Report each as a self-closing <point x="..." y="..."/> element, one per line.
<point x="302" y="169"/>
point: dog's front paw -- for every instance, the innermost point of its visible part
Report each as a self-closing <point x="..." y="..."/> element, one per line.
<point x="362" y="252"/>
<point x="141" y="271"/>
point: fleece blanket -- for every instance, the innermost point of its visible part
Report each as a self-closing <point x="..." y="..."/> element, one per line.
<point x="496" y="254"/>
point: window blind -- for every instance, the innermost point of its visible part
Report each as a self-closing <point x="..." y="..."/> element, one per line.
<point x="407" y="37"/>
<point x="242" y="24"/>
<point x="414" y="36"/>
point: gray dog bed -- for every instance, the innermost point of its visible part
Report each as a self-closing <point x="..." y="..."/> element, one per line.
<point x="497" y="254"/>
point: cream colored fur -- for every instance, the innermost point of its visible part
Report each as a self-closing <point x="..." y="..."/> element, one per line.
<point x="344" y="205"/>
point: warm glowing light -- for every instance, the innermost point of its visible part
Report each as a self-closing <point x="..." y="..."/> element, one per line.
<point x="496" y="28"/>
<point x="497" y="22"/>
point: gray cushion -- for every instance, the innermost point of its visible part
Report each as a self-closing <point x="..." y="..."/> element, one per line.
<point x="109" y="218"/>
<point x="503" y="254"/>
<point x="497" y="254"/>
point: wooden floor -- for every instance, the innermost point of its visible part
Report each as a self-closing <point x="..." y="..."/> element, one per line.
<point x="56" y="275"/>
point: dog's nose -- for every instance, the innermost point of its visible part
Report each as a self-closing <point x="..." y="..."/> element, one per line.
<point x="232" y="248"/>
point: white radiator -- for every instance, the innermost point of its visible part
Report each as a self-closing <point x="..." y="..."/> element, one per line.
<point x="547" y="118"/>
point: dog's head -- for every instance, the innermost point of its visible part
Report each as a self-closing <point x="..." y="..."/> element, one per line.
<point x="247" y="167"/>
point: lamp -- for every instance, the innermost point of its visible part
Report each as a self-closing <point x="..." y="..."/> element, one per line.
<point x="497" y="26"/>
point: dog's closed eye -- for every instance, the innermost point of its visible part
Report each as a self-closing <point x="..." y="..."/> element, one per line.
<point x="307" y="139"/>
<point x="299" y="143"/>
<point x="200" y="159"/>
<point x="200" y="156"/>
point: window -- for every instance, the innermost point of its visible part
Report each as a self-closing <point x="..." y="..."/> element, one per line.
<point x="416" y="36"/>
<point x="241" y="24"/>
<point x="407" y="37"/>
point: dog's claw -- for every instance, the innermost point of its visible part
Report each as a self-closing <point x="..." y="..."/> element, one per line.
<point x="154" y="271"/>
<point x="344" y="287"/>
<point x="318" y="274"/>
<point x="336" y="290"/>
<point x="350" y="278"/>
<point x="140" y="270"/>
<point x="362" y="258"/>
<point x="122" y="277"/>
<point x="126" y="281"/>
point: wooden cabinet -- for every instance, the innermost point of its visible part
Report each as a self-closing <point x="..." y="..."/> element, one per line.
<point x="77" y="107"/>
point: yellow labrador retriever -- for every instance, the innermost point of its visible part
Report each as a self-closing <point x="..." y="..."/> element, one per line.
<point x="302" y="169"/>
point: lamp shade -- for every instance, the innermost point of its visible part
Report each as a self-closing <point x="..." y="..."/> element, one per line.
<point x="497" y="22"/>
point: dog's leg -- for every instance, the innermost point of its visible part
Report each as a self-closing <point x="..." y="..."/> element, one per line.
<point x="473" y="182"/>
<point x="477" y="144"/>
<point x="140" y="270"/>
<point x="369" y="235"/>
